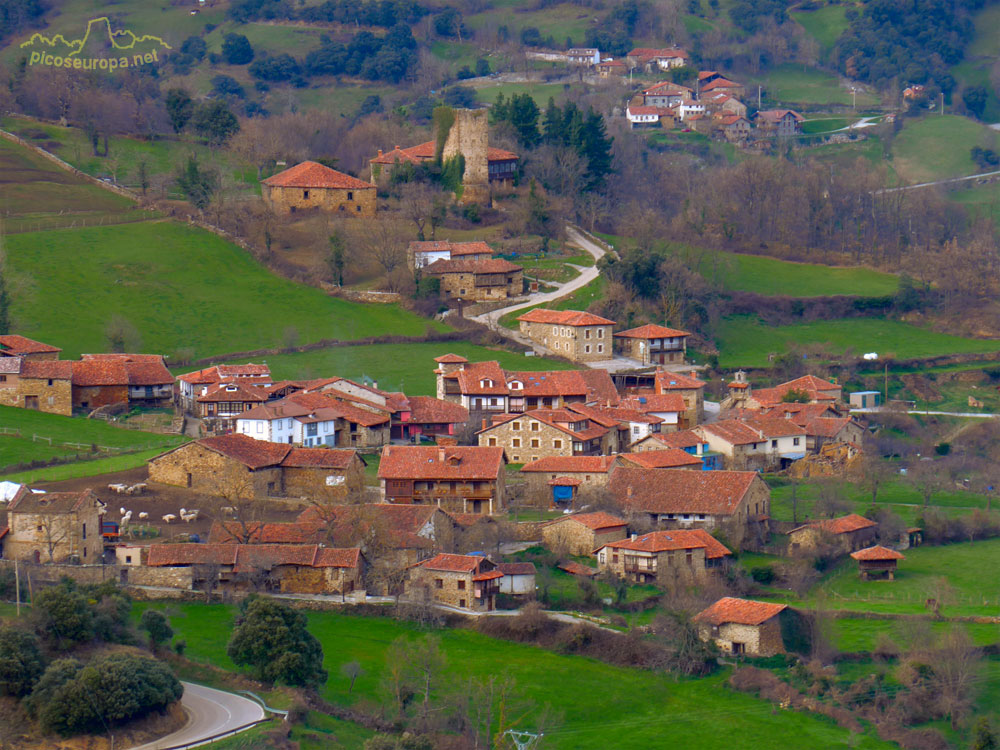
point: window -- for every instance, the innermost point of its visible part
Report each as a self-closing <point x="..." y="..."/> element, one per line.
<point x="128" y="559"/>
<point x="85" y="531"/>
<point x="461" y="602"/>
<point x="534" y="458"/>
<point x="3" y="378"/>
<point x="305" y="195"/>
<point x="534" y="426"/>
<point x="516" y="458"/>
<point x="586" y="349"/>
<point x="516" y="443"/>
<point x="557" y="444"/>
<point x="491" y="442"/>
<point x="438" y="583"/>
<point x="50" y="382"/>
<point x="774" y="443"/>
<point x="260" y="427"/>
<point x="600" y="348"/>
<point x="358" y="209"/>
<point x="586" y="333"/>
<point x="602" y="558"/>
<point x="690" y="558"/>
<point x="555" y="330"/>
<point x="461" y="585"/>
<point x="614" y="558"/>
<point x="350" y="195"/>
<point x="516" y="426"/>
<point x="600" y="333"/>
<point x="795" y="441"/>
<point x="535" y="443"/>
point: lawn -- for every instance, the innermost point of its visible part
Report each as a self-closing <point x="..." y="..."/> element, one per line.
<point x="597" y="705"/>
<point x="969" y="590"/>
<point x="557" y="20"/>
<point x="825" y="24"/>
<point x="746" y="342"/>
<point x="540" y="92"/>
<point x="937" y="146"/>
<point x="793" y="84"/>
<point x="84" y="432"/>
<point x="182" y="288"/>
<point x="770" y="276"/>
<point x="396" y="367"/>
<point x="824" y="124"/>
<point x="855" y="634"/>
<point x="81" y="469"/>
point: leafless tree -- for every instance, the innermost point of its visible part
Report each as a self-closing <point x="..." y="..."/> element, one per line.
<point x="956" y="664"/>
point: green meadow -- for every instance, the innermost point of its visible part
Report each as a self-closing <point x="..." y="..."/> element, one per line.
<point x="936" y="147"/>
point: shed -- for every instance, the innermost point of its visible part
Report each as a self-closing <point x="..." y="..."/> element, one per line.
<point x="518" y="578"/>
<point x="877" y="562"/>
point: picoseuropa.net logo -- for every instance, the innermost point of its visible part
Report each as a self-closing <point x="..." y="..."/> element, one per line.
<point x="100" y="48"/>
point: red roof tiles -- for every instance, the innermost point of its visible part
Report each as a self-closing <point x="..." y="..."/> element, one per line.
<point x="675" y="539"/>
<point x="564" y="317"/>
<point x="425" y="151"/>
<point x="455" y="563"/>
<point x="255" y="454"/>
<point x="13" y="345"/>
<point x="739" y="612"/>
<point x="670" y="458"/>
<point x="652" y="332"/>
<point x="311" y="174"/>
<point x="51" y="502"/>
<point x="878" y="552"/>
<point x="572" y="464"/>
<point x="430" y="410"/>
<point x="49" y="369"/>
<point x="717" y="493"/>
<point x="121" y="369"/>
<point x="471" y="265"/>
<point x="445" y="463"/>
<point x="450" y="359"/>
<point x="671" y="381"/>
<point x="454" y="249"/>
<point x="845" y="524"/>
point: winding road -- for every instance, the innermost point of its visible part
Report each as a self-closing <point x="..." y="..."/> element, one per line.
<point x="210" y="712"/>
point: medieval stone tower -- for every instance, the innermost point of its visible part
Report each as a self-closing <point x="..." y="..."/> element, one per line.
<point x="469" y="136"/>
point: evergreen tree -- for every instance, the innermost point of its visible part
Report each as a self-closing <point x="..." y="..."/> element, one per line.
<point x="500" y="109"/>
<point x="197" y="184"/>
<point x="572" y="125"/>
<point x="179" y="108"/>
<point x="552" y="125"/>
<point x="271" y="638"/>
<point x="524" y="118"/>
<point x="595" y="147"/>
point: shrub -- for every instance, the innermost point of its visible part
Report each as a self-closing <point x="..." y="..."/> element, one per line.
<point x="21" y="662"/>
<point x="236" y="49"/>
<point x="763" y="574"/>
<point x="63" y="616"/>
<point x="271" y="638"/>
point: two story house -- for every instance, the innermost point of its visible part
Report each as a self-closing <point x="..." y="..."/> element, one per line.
<point x="191" y="385"/>
<point x="466" y="582"/>
<point x="54" y="527"/>
<point x="653" y="344"/>
<point x="548" y="432"/>
<point x="132" y="379"/>
<point x="578" y="336"/>
<point x="683" y="554"/>
<point x="460" y="479"/>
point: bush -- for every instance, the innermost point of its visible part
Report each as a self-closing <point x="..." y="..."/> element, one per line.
<point x="236" y="49"/>
<point x="21" y="662"/>
<point x="763" y="575"/>
<point x="271" y="638"/>
<point x="63" y="616"/>
<point x="156" y="625"/>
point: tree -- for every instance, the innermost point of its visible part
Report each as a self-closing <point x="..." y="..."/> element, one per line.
<point x="4" y="295"/>
<point x="795" y="396"/>
<point x="121" y="336"/>
<point x="417" y="202"/>
<point x="595" y="147"/>
<point x="196" y="183"/>
<point x="156" y="625"/>
<point x="984" y="738"/>
<point x="336" y="257"/>
<point x="956" y="664"/>
<point x="142" y="173"/>
<point x="179" y="108"/>
<point x="351" y="670"/>
<point x="215" y="121"/>
<point x="63" y="616"/>
<point x="236" y="49"/>
<point x="21" y="662"/>
<point x="271" y="638"/>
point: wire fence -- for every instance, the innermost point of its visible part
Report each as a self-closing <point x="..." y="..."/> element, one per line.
<point x="927" y="598"/>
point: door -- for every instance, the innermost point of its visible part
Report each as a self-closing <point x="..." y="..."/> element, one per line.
<point x="123" y="575"/>
<point x="31" y="402"/>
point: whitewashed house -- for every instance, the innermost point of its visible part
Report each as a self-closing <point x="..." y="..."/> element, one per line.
<point x="288" y="422"/>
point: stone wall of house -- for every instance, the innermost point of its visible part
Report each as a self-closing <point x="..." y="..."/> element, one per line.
<point x="669" y="566"/>
<point x="463" y="286"/>
<point x="56" y="398"/>
<point x="444" y="587"/>
<point x="469" y="136"/>
<point x="758" y="640"/>
<point x="91" y="397"/>
<point x="207" y="471"/>
<point x="577" y="343"/>
<point x="518" y="437"/>
<point x="32" y="535"/>
<point x="51" y="574"/>
<point x="313" y="482"/>
<point x="538" y="481"/>
<point x="343" y="202"/>
<point x="181" y="577"/>
<point x="572" y="537"/>
<point x="364" y="437"/>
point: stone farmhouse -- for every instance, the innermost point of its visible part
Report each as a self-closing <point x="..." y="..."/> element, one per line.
<point x="463" y="581"/>
<point x="687" y="440"/>
<point x="501" y="164"/>
<point x="131" y="379"/>
<point x="311" y="185"/>
<point x="850" y="533"/>
<point x="668" y="458"/>
<point x="758" y="444"/>
<point x="657" y="59"/>
<point x="578" y="336"/>
<point x="191" y="385"/>
<point x="608" y="68"/>
<point x="12" y="345"/>
<point x="689" y="388"/>
<point x="40" y="384"/>
<point x="565" y="477"/>
<point x="743" y="627"/>
<point x="549" y="432"/>
<point x="662" y="556"/>
<point x="779" y="122"/>
<point x="483" y="280"/>
<point x="461" y="479"/>
<point x="423" y="253"/>
<point x="712" y="81"/>
<point x="632" y="424"/>
<point x="685" y="499"/>
<point x="653" y="345"/>
<point x="237" y="466"/>
<point x="583" y="533"/>
<point x="53" y="527"/>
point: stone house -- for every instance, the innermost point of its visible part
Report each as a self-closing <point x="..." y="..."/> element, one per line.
<point x="501" y="164"/>
<point x="220" y="405"/>
<point x="779" y="122"/>
<point x="477" y="280"/>
<point x="653" y="345"/>
<point x="312" y="185"/>
<point x="548" y="432"/>
<point x="824" y="430"/>
<point x="590" y="472"/>
<point x="712" y="82"/>
<point x="583" y="533"/>
<point x="431" y="417"/>
<point x="734" y="128"/>
<point x="238" y="466"/>
<point x="850" y="533"/>
<point x="191" y="385"/>
<point x="56" y="527"/>
<point x="460" y="479"/>
<point x="131" y="379"/>
<point x="761" y="444"/>
<point x="742" y="626"/>
<point x="685" y="499"/>
<point x="690" y="389"/>
<point x="425" y="252"/>
<point x="578" y="336"/>
<point x="463" y="581"/>
<point x="518" y="578"/>
<point x="681" y="554"/>
<point x="40" y="384"/>
<point x="657" y="59"/>
<point x="742" y="395"/>
<point x="668" y="458"/>
<point x="668" y="408"/>
<point x="12" y="345"/>
<point x="608" y="68"/>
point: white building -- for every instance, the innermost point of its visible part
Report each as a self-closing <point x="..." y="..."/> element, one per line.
<point x="288" y="422"/>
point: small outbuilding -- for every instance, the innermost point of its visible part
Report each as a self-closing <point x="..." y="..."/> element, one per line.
<point x="518" y="578"/>
<point x="743" y="626"/>
<point x="314" y="185"/>
<point x="877" y="562"/>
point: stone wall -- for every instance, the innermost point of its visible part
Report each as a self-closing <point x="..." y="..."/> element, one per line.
<point x="343" y="202"/>
<point x="463" y="286"/>
<point x="538" y="481"/>
<point x="469" y="136"/>
<point x="358" y="295"/>
<point x="181" y="577"/>
<point x="443" y="587"/>
<point x="312" y="482"/>
<point x="577" y="539"/>
<point x="195" y="466"/>
<point x="519" y="440"/>
<point x="56" y="398"/>
<point x="33" y="535"/>
<point x="757" y="640"/>
<point x="90" y="397"/>
<point x="576" y="343"/>
<point x="52" y="574"/>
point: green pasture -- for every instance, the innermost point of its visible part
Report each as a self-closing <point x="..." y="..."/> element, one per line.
<point x="855" y="634"/>
<point x="38" y="428"/>
<point x="824" y="24"/>
<point x="795" y="84"/>
<point x="824" y="124"/>
<point x="597" y="705"/>
<point x="396" y="367"/>
<point x="745" y="341"/>
<point x="772" y="277"/>
<point x="540" y="92"/>
<point x="581" y="299"/>
<point x="936" y="147"/>
<point x="558" y="21"/>
<point x="180" y="287"/>
<point x="88" y="468"/>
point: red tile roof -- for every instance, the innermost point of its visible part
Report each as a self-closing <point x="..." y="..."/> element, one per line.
<point x="845" y="524"/>
<point x="572" y="464"/>
<point x="51" y="502"/>
<point x="219" y="373"/>
<point x="578" y="569"/>
<point x="233" y="392"/>
<point x="446" y="463"/>
<point x="667" y="87"/>
<point x="450" y="359"/>
<point x="594" y="521"/>
<point x="734" y="432"/>
<point x="338" y="557"/>
<point x="720" y="83"/>
<point x="425" y="151"/>
<point x="191" y="554"/>
<point x="53" y="369"/>
<point x="311" y="174"/>
<point x="454" y="249"/>
<point x="675" y="539"/>
<point x="878" y="552"/>
<point x="670" y="458"/>
<point x="775" y="115"/>
<point x="739" y="611"/>
<point x="254" y="454"/>
<point x="14" y="345"/>
<point x="456" y="563"/>
<point x="670" y="381"/>
<point x="826" y="426"/>
<point x="652" y="332"/>
<point x="490" y="576"/>
<point x="248" y="557"/>
<point x="716" y="493"/>
<point x="430" y="410"/>
<point x="564" y="317"/>
<point x="471" y="265"/>
<point x="121" y="369"/>
<point x="655" y="402"/>
<point x="682" y="439"/>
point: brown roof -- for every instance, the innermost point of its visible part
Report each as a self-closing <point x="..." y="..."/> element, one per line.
<point x="517" y="568"/>
<point x="593" y="521"/>
<point x="472" y="265"/>
<point x="121" y="369"/>
<point x="739" y="611"/>
<point x="424" y="151"/>
<point x="564" y="317"/>
<point x="245" y="557"/>
<point x="845" y="524"/>
<point x="51" y="502"/>
<point x="218" y="373"/>
<point x="655" y="402"/>
<point x="254" y="454"/>
<point x="654" y="491"/>
<point x="669" y="381"/>
<point x="652" y="332"/>
<point x="456" y="563"/>
<point x="14" y="345"/>
<point x="826" y="426"/>
<point x="54" y="369"/>
<point x="578" y="569"/>
<point x="735" y="432"/>
<point x="191" y="554"/>
<point x="454" y="249"/>
<point x="572" y="464"/>
<point x="338" y="557"/>
<point x="667" y="87"/>
<point x="431" y="462"/>
<point x="450" y="359"/>
<point x="682" y="439"/>
<point x="675" y="539"/>
<point x="878" y="552"/>
<point x="311" y="174"/>
<point x="230" y="392"/>
<point x="669" y="458"/>
<point x="775" y="115"/>
<point x="430" y="410"/>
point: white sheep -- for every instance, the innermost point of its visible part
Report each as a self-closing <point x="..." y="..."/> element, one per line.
<point x="227" y="509"/>
<point x="187" y="517"/>
<point x="183" y="511"/>
<point x="143" y="516"/>
<point x="169" y="518"/>
<point x="121" y="511"/>
<point x="127" y="517"/>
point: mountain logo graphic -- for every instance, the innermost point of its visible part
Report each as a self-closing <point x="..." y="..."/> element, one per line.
<point x="99" y="48"/>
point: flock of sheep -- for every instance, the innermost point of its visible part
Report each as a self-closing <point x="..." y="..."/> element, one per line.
<point x="187" y="516"/>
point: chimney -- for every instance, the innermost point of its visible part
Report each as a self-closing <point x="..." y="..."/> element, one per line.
<point x="634" y="537"/>
<point x="441" y="455"/>
<point x="486" y="423"/>
<point x="380" y="152"/>
<point x="628" y="492"/>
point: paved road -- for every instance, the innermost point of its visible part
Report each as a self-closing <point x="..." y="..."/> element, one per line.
<point x="209" y="712"/>
<point x="589" y="274"/>
<point x="969" y="414"/>
<point x="948" y="181"/>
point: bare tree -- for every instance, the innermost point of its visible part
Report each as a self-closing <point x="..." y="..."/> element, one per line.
<point x="384" y="242"/>
<point x="351" y="670"/>
<point x="956" y="664"/>
<point x="54" y="530"/>
<point x="237" y="504"/>
<point x="417" y="201"/>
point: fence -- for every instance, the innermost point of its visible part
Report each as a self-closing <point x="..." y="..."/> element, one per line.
<point x="221" y="735"/>
<point x="953" y="599"/>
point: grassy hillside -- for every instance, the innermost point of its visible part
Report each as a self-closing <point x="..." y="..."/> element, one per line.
<point x="937" y="146"/>
<point x="180" y="287"/>
<point x="795" y="84"/>
<point x="746" y="342"/>
<point x="825" y="24"/>
<point x="770" y="276"/>
<point x="598" y="705"/>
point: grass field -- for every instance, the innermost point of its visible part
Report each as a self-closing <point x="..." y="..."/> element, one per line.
<point x="558" y="20"/>
<point x="825" y="24"/>
<point x="746" y="342"/>
<point x="794" y="84"/>
<point x="824" y="124"/>
<point x="855" y="634"/>
<point x="581" y="299"/>
<point x="408" y="367"/>
<point x="770" y="276"/>
<point x="969" y="590"/>
<point x="540" y="92"/>
<point x="180" y="287"/>
<point x="60" y="429"/>
<point x="599" y="705"/>
<point x="80" y="469"/>
<point x="937" y="146"/>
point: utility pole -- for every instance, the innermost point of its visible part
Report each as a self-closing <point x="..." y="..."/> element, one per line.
<point x="886" y="392"/>
<point x="758" y="97"/>
<point x="854" y="98"/>
<point x="942" y="102"/>
<point x="17" y="586"/>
